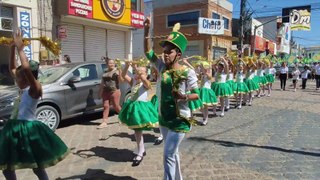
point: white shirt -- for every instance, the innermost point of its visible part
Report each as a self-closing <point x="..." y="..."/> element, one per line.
<point x="304" y="74"/>
<point x="317" y="68"/>
<point x="295" y="74"/>
<point x="283" y="70"/>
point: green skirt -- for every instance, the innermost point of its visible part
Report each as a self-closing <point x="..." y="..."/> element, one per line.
<point x="29" y="144"/>
<point x="195" y="104"/>
<point x="208" y="97"/>
<point x="139" y="115"/>
<point x="252" y="85"/>
<point x="262" y="80"/>
<point x="270" y="78"/>
<point x="231" y="84"/>
<point x="222" y="89"/>
<point x="241" y="88"/>
<point x="256" y="79"/>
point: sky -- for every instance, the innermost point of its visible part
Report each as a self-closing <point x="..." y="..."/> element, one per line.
<point x="264" y="8"/>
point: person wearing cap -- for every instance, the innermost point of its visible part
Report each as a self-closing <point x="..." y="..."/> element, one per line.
<point x="176" y="80"/>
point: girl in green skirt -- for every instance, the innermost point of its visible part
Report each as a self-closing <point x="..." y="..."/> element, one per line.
<point x="240" y="87"/>
<point x="269" y="71"/>
<point x="230" y="81"/>
<point x="220" y="87"/>
<point x="138" y="113"/>
<point x="24" y="141"/>
<point x="250" y="82"/>
<point x="262" y="78"/>
<point x="207" y="95"/>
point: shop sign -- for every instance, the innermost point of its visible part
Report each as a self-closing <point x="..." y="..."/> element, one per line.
<point x="260" y="43"/>
<point x="114" y="8"/>
<point x="62" y="32"/>
<point x="25" y="25"/>
<point x="113" y="11"/>
<point x="137" y="19"/>
<point x="210" y="26"/>
<point x="81" y="8"/>
<point x="300" y="20"/>
<point x="271" y="47"/>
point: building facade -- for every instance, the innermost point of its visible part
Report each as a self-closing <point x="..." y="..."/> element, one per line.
<point x="18" y="14"/>
<point x="166" y="13"/>
<point x="90" y="29"/>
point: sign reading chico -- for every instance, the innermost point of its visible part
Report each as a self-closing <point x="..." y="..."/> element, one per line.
<point x="114" y="8"/>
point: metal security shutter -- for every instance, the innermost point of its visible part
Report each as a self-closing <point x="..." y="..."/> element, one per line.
<point x="73" y="44"/>
<point x="95" y="43"/>
<point x="191" y="50"/>
<point x="116" y="44"/>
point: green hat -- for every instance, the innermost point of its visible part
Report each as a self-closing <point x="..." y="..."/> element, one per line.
<point x="176" y="38"/>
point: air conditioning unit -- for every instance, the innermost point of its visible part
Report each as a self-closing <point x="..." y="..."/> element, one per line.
<point x="6" y="24"/>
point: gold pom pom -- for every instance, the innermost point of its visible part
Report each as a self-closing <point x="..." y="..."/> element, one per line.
<point x="176" y="27"/>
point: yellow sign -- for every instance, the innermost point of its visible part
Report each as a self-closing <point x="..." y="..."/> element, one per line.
<point x="114" y="11"/>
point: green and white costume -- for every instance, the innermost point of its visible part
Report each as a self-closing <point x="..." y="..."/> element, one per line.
<point x="138" y="113"/>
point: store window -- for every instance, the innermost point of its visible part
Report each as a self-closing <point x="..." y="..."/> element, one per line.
<point x="218" y="52"/>
<point x="226" y="23"/>
<point x="135" y="5"/>
<point x="6" y="11"/>
<point x="215" y="16"/>
<point x="188" y="18"/>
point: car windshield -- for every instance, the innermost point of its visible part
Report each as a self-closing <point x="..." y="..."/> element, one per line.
<point x="50" y="75"/>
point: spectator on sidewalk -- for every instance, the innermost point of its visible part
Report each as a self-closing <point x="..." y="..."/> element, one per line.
<point x="317" y="77"/>
<point x="284" y="75"/>
<point x="304" y="76"/>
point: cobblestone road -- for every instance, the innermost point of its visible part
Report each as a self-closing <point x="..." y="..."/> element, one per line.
<point x="277" y="138"/>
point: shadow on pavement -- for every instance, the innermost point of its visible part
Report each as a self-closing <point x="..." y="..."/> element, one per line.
<point x="148" y="138"/>
<point x="83" y="119"/>
<point x="109" y="154"/>
<point x="234" y="144"/>
<point x="96" y="174"/>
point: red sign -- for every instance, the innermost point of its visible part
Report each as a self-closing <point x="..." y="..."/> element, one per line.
<point x="137" y="19"/>
<point x="81" y="8"/>
<point x="271" y="47"/>
<point x="260" y="43"/>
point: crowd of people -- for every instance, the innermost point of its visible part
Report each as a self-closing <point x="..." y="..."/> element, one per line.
<point x="181" y="89"/>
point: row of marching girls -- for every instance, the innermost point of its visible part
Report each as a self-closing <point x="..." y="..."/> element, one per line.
<point x="232" y="79"/>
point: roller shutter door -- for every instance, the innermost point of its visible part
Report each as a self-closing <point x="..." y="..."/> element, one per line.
<point x="116" y="44"/>
<point x="95" y="43"/>
<point x="73" y="44"/>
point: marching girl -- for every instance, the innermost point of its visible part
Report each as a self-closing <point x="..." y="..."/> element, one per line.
<point x="138" y="113"/>
<point x="262" y="79"/>
<point x="230" y="81"/>
<point x="207" y="95"/>
<point x="269" y="74"/>
<point x="220" y="87"/>
<point x="24" y="141"/>
<point x="250" y="82"/>
<point x="240" y="87"/>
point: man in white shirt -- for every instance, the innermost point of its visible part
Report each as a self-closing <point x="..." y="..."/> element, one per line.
<point x="304" y="76"/>
<point x="317" y="71"/>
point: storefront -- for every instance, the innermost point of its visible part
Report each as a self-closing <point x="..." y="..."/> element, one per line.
<point x="90" y="29"/>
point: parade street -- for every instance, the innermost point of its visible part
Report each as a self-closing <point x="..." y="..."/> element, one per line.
<point x="276" y="138"/>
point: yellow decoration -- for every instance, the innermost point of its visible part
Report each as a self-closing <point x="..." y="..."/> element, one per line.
<point x="176" y="27"/>
<point x="52" y="46"/>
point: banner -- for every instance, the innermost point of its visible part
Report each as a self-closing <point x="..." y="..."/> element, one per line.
<point x="285" y="33"/>
<point x="210" y="26"/>
<point x="298" y="17"/>
<point x="25" y="26"/>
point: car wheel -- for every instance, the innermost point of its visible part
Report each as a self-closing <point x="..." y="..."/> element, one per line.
<point x="49" y="116"/>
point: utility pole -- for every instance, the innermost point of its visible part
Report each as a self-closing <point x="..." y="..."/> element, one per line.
<point x="242" y="18"/>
